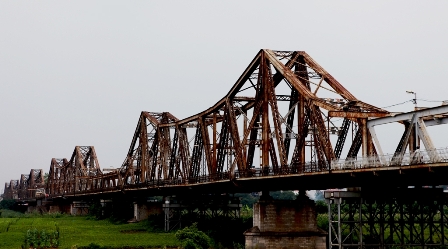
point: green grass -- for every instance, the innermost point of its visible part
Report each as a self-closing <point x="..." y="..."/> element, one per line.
<point x="80" y="231"/>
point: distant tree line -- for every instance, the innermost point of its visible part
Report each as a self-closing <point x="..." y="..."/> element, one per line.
<point x="7" y="204"/>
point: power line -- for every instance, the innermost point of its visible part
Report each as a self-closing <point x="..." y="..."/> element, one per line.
<point x="426" y="100"/>
<point x="397" y="104"/>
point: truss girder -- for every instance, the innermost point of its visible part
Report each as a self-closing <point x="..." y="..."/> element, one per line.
<point x="224" y="138"/>
<point x="288" y="127"/>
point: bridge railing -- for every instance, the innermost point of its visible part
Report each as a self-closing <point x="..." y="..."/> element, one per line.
<point x="439" y="155"/>
<point x="389" y="160"/>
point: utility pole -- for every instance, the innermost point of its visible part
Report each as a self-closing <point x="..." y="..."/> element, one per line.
<point x="414" y="100"/>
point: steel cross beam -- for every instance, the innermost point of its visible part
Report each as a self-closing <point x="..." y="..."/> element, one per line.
<point x="416" y="130"/>
<point x="424" y="113"/>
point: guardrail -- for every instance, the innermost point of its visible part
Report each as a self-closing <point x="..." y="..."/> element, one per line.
<point x="389" y="160"/>
<point x="439" y="155"/>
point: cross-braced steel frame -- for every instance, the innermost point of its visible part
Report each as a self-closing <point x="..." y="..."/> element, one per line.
<point x="27" y="186"/>
<point x="180" y="212"/>
<point x="399" y="218"/>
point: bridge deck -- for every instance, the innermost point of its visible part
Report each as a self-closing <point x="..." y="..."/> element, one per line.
<point x="288" y="179"/>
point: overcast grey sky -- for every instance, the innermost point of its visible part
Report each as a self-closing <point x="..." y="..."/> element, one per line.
<point x="80" y="72"/>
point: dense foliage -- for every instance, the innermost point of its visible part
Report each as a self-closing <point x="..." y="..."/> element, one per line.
<point x="7" y="204"/>
<point x="41" y="239"/>
<point x="192" y="238"/>
<point x="117" y="211"/>
<point x="248" y="199"/>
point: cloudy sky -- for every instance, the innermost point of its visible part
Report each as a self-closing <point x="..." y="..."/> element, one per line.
<point x="80" y="72"/>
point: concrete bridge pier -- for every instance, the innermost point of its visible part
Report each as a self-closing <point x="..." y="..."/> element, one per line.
<point x="58" y="207"/>
<point x="285" y="224"/>
<point x="106" y="207"/>
<point x="146" y="208"/>
<point x="79" y="208"/>
<point x="37" y="206"/>
<point x="54" y="208"/>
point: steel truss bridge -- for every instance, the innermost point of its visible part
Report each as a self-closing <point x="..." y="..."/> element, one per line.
<point x="285" y="124"/>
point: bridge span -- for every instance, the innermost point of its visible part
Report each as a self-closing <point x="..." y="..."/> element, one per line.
<point x="286" y="124"/>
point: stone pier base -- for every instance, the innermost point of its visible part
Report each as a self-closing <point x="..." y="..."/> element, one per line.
<point x="285" y="224"/>
<point x="142" y="210"/>
<point x="79" y="208"/>
<point x="54" y="209"/>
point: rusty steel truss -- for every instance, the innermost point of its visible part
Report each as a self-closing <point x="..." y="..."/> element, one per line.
<point x="27" y="187"/>
<point x="285" y="115"/>
<point x="271" y="121"/>
<point x="79" y="174"/>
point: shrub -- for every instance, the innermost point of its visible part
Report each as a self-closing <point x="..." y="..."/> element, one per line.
<point x="191" y="238"/>
<point x="321" y="207"/>
<point x="7" y="204"/>
<point x="322" y="221"/>
<point x="154" y="223"/>
<point x="6" y="213"/>
<point x="41" y="239"/>
<point x="93" y="246"/>
<point x="96" y="211"/>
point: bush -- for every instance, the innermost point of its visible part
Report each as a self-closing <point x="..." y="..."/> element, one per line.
<point x="41" y="239"/>
<point x="155" y="223"/>
<point x="96" y="211"/>
<point x="321" y="207"/>
<point x="229" y="231"/>
<point x="247" y="199"/>
<point x="7" y="204"/>
<point x="191" y="238"/>
<point x="6" y="213"/>
<point x="93" y="246"/>
<point x="283" y="195"/>
<point x="322" y="221"/>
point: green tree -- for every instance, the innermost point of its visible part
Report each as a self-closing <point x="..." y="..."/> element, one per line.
<point x="192" y="238"/>
<point x="247" y="199"/>
<point x="321" y="207"/>
<point x="283" y="195"/>
<point x="46" y="175"/>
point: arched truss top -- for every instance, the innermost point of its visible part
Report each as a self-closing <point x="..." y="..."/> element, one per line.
<point x="68" y="176"/>
<point x="222" y="143"/>
<point x="287" y="66"/>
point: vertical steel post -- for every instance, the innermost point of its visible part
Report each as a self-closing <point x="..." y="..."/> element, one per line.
<point x="365" y="142"/>
<point x="381" y="221"/>
<point x="330" y="222"/>
<point x="265" y="113"/>
<point x="339" y="200"/>
<point x="214" y="144"/>
<point x="360" y="223"/>
<point x="442" y="220"/>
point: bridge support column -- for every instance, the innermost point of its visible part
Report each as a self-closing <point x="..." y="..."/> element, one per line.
<point x="106" y="207"/>
<point x="142" y="210"/>
<point x="58" y="206"/>
<point x="54" y="209"/>
<point x="388" y="218"/>
<point x="285" y="224"/>
<point x="188" y="209"/>
<point x="79" y="208"/>
<point x="31" y="209"/>
<point x="37" y="206"/>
